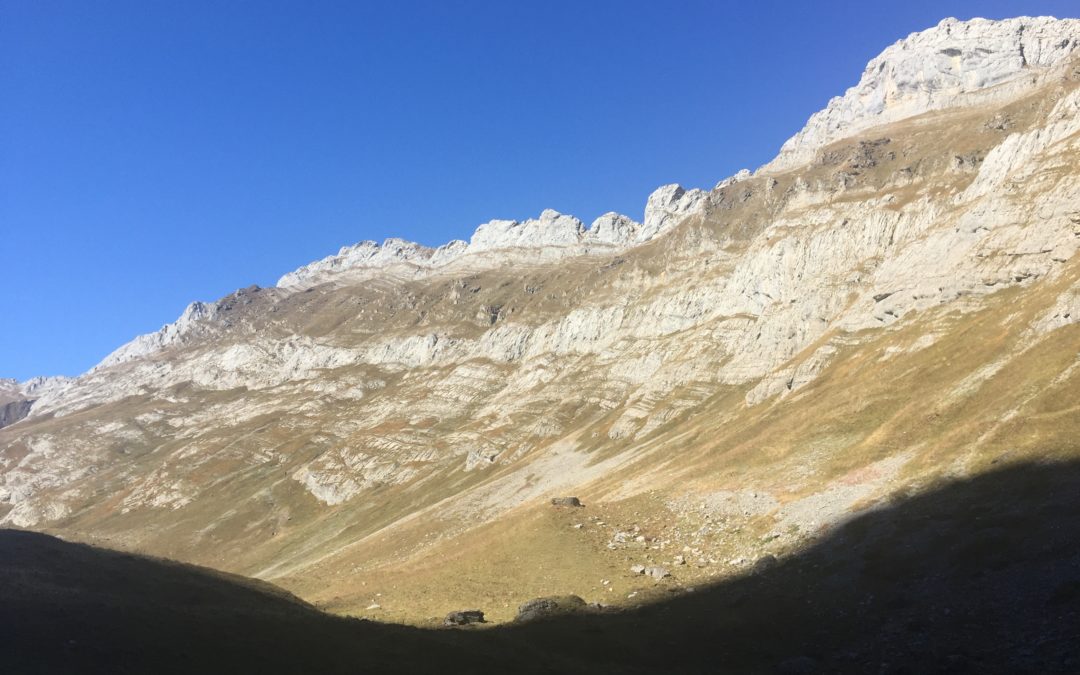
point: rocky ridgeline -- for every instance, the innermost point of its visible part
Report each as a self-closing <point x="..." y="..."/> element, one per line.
<point x="548" y="238"/>
<point x="956" y="63"/>
<point x="551" y="236"/>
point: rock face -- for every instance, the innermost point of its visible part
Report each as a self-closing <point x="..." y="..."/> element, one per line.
<point x="17" y="398"/>
<point x="955" y="63"/>
<point x="669" y="204"/>
<point x="12" y="412"/>
<point x="379" y="403"/>
<point x="195" y="314"/>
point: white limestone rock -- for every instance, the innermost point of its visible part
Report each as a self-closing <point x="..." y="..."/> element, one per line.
<point x="550" y="236"/>
<point x="955" y="63"/>
<point x="743" y="174"/>
<point x="169" y="334"/>
<point x="613" y="228"/>
<point x="550" y="229"/>
<point x="667" y="205"/>
<point x="39" y="386"/>
<point x="448" y="252"/>
<point x="35" y="387"/>
<point x="371" y="255"/>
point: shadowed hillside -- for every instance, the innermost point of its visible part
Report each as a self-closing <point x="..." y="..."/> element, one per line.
<point x="981" y="575"/>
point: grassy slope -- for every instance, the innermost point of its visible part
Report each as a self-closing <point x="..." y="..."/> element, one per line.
<point x="862" y="410"/>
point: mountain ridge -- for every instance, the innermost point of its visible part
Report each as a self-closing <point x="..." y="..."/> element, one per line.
<point x="1031" y="44"/>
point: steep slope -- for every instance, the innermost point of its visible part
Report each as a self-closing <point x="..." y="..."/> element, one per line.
<point x="893" y="301"/>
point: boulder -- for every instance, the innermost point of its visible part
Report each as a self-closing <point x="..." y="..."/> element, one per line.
<point x="566" y="501"/>
<point x="657" y="572"/>
<point x="555" y="605"/>
<point x="464" y="617"/>
<point x="764" y="562"/>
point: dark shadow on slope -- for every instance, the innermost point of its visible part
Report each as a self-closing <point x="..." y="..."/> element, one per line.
<point x="72" y="608"/>
<point x="976" y="576"/>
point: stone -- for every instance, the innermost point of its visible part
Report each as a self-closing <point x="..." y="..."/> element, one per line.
<point x="741" y="175"/>
<point x="955" y="63"/>
<point x="539" y="608"/>
<point x="464" y="617"/>
<point x="657" y="572"/>
<point x="764" y="563"/>
<point x="567" y="501"/>
<point x="637" y="569"/>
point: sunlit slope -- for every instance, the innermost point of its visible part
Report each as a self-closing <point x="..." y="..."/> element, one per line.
<point x="725" y="485"/>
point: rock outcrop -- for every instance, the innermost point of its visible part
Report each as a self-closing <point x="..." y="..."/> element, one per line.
<point x="13" y="411"/>
<point x="956" y="63"/>
<point x="18" y="398"/>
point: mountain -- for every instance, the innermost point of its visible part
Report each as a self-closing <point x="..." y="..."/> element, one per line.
<point x="889" y="306"/>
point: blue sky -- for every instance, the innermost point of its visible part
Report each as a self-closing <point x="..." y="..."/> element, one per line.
<point x="153" y="153"/>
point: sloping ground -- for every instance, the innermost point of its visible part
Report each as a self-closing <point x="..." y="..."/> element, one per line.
<point x="889" y="417"/>
<point x="976" y="575"/>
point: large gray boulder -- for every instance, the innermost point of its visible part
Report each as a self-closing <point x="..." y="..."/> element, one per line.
<point x="555" y="605"/>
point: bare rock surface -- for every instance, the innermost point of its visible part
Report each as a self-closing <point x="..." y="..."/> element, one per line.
<point x="955" y="63"/>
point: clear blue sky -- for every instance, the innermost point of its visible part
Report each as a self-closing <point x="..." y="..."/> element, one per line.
<point x="154" y="153"/>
